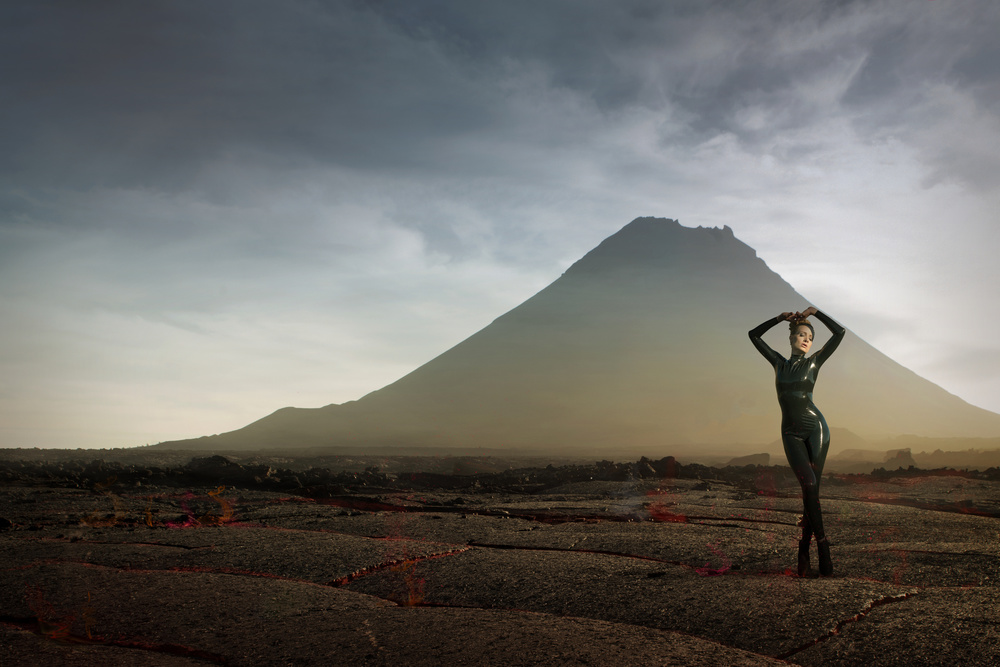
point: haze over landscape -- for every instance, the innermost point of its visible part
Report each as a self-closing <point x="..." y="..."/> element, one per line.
<point x="209" y="211"/>
<point x="631" y="351"/>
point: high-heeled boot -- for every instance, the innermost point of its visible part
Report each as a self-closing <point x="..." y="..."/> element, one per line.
<point x="825" y="563"/>
<point x="804" y="556"/>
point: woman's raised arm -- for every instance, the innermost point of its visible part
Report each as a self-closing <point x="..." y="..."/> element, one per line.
<point x="835" y="329"/>
<point x="762" y="347"/>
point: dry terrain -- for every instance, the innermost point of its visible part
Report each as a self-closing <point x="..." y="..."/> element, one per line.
<point x="633" y="564"/>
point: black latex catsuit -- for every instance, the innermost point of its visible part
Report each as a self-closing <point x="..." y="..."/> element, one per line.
<point x="804" y="432"/>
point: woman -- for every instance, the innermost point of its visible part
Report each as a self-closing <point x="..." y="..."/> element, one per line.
<point x="804" y="432"/>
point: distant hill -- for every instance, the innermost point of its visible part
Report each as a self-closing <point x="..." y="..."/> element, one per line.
<point x="639" y="347"/>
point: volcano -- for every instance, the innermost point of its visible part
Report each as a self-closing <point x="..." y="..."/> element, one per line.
<point x="640" y="346"/>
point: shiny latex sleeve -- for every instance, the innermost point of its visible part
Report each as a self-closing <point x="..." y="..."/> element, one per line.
<point x="837" y="332"/>
<point x="762" y="347"/>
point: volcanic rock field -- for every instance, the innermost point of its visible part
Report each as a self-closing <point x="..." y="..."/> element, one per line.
<point x="474" y="561"/>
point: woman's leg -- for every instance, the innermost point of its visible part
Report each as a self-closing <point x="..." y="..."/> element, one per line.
<point x="819" y="460"/>
<point x="820" y="435"/>
<point x="798" y="454"/>
<point x="803" y="568"/>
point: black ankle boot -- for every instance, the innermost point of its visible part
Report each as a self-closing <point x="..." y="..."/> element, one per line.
<point x="804" y="556"/>
<point x="825" y="563"/>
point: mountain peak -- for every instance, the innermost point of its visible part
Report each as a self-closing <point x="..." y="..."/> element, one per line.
<point x="651" y="225"/>
<point x="663" y="243"/>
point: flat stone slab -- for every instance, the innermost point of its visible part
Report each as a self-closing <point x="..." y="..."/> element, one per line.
<point x="317" y="557"/>
<point x="105" y="614"/>
<point x="733" y="609"/>
<point x="623" y="573"/>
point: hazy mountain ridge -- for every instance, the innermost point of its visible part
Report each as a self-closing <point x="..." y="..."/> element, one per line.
<point x="639" y="347"/>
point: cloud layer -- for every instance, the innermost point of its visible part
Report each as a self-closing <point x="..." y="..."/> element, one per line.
<point x="212" y="210"/>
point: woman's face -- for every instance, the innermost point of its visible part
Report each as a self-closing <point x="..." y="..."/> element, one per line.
<point x="801" y="340"/>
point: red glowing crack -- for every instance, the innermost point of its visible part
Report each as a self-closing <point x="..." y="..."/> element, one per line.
<point x="399" y="565"/>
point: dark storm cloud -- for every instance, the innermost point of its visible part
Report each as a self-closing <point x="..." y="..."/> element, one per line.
<point x="151" y="94"/>
<point x="144" y="94"/>
<point x="461" y="107"/>
<point x="709" y="58"/>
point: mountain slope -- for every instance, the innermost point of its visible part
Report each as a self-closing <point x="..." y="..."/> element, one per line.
<point x="639" y="346"/>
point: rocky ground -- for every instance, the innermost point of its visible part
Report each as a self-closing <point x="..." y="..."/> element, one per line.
<point x="642" y="563"/>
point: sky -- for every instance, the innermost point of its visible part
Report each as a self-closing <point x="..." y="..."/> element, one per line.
<point x="212" y="210"/>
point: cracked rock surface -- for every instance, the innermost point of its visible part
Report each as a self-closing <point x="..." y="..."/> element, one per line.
<point x="637" y="571"/>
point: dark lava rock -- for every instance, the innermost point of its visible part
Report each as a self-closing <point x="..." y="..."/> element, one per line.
<point x="215" y="467"/>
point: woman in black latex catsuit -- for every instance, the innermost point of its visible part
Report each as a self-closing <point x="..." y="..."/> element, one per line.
<point x="804" y="432"/>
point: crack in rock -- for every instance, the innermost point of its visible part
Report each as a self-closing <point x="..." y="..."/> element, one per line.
<point x="888" y="599"/>
<point x="514" y="547"/>
<point x="398" y="563"/>
<point x="34" y="626"/>
<point x="703" y="570"/>
<point x="74" y="540"/>
<point x="228" y="571"/>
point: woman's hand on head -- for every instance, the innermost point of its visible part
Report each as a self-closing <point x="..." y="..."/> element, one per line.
<point x="787" y="317"/>
<point x="811" y="310"/>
